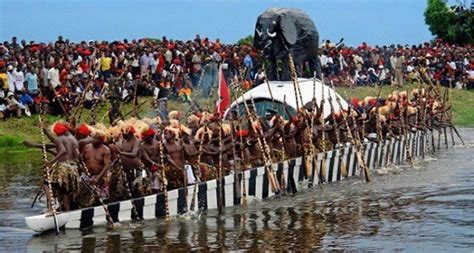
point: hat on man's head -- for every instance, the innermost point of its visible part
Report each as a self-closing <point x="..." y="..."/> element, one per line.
<point x="84" y="129"/>
<point x="60" y="128"/>
<point x="10" y="94"/>
<point x="10" y="67"/>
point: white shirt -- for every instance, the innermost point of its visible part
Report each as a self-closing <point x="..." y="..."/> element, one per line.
<point x="168" y="56"/>
<point x="452" y="64"/>
<point x="53" y="77"/>
<point x="342" y="62"/>
<point x="330" y="61"/>
<point x="44" y="76"/>
<point x="89" y="95"/>
<point x="324" y="60"/>
<point x="471" y="74"/>
<point x="135" y="63"/>
<point x="77" y="61"/>
<point x="19" y="79"/>
<point x="153" y="64"/>
<point x="11" y="82"/>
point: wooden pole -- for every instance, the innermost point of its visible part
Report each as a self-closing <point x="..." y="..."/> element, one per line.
<point x="263" y="147"/>
<point x="220" y="200"/>
<point x="96" y="191"/>
<point x="323" y="127"/>
<point x="268" y="86"/>
<point x="47" y="169"/>
<point x="294" y="83"/>
<point x="163" y="176"/>
<point x="242" y="155"/>
<point x="339" y="146"/>
<point x="47" y="173"/>
<point x="128" y="187"/>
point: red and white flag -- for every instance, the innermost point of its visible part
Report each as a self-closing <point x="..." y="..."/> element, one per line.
<point x="223" y="100"/>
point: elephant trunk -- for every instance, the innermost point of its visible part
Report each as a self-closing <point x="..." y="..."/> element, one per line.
<point x="268" y="44"/>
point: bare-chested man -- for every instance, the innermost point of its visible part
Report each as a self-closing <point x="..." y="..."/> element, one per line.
<point x="129" y="150"/>
<point x="275" y="137"/>
<point x="253" y="145"/>
<point x="83" y="136"/>
<point x="291" y="149"/>
<point x="175" y="158"/>
<point x="151" y="157"/>
<point x="64" y="174"/>
<point x="96" y="157"/>
<point x="191" y="155"/>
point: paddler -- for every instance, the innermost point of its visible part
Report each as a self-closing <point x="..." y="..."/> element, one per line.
<point x="65" y="174"/>
<point x="97" y="159"/>
<point x="129" y="150"/>
<point x="151" y="155"/>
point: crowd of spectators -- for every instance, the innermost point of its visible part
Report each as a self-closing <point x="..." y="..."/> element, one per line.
<point x="57" y="74"/>
<point x="451" y="65"/>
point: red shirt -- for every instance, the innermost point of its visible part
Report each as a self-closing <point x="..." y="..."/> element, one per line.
<point x="84" y="66"/>
<point x="63" y="76"/>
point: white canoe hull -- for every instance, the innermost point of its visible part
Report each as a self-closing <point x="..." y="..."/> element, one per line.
<point x="45" y="222"/>
<point x="291" y="172"/>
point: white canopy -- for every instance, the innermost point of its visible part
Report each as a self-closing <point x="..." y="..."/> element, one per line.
<point x="285" y="91"/>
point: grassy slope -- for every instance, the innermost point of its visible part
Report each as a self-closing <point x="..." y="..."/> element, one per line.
<point x="462" y="100"/>
<point x="14" y="131"/>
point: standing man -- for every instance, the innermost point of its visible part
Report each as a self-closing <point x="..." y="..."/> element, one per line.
<point x="129" y="150"/>
<point x="398" y="67"/>
<point x="151" y="157"/>
<point x="11" y="79"/>
<point x="32" y="81"/>
<point x="97" y="159"/>
<point x="144" y="63"/>
<point x="19" y="80"/>
<point x="175" y="156"/>
<point x="44" y="78"/>
<point x="64" y="174"/>
<point x="105" y="65"/>
<point x="53" y="77"/>
<point x="114" y="97"/>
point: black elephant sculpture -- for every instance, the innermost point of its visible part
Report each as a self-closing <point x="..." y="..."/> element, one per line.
<point x="283" y="31"/>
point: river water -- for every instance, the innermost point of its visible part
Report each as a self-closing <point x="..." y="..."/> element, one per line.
<point x="429" y="208"/>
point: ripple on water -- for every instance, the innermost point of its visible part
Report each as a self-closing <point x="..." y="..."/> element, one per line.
<point x="422" y="209"/>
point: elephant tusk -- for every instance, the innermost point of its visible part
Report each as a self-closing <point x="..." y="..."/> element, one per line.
<point x="272" y="35"/>
<point x="259" y="32"/>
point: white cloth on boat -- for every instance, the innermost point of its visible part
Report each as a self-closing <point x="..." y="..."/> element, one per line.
<point x="190" y="174"/>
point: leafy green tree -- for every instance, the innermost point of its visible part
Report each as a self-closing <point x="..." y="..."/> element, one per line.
<point x="246" y="41"/>
<point x="454" y="26"/>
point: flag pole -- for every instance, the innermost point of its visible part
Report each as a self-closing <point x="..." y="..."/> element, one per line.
<point x="219" y="88"/>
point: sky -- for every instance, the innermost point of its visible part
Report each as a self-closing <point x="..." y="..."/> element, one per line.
<point x="371" y="21"/>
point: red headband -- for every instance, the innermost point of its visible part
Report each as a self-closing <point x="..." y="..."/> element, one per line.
<point x="60" y="129"/>
<point x="149" y="132"/>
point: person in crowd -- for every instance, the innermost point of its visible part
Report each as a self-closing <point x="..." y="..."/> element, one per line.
<point x="31" y="81"/>
<point x="169" y="65"/>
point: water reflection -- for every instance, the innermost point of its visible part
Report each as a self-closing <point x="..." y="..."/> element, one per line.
<point x="424" y="209"/>
<point x="310" y="225"/>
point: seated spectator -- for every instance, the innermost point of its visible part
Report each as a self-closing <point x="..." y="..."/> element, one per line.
<point x="3" y="108"/>
<point x="185" y="94"/>
<point x="89" y="99"/>
<point x="28" y="103"/>
<point x="470" y="76"/>
<point x="373" y="77"/>
<point x="13" y="106"/>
